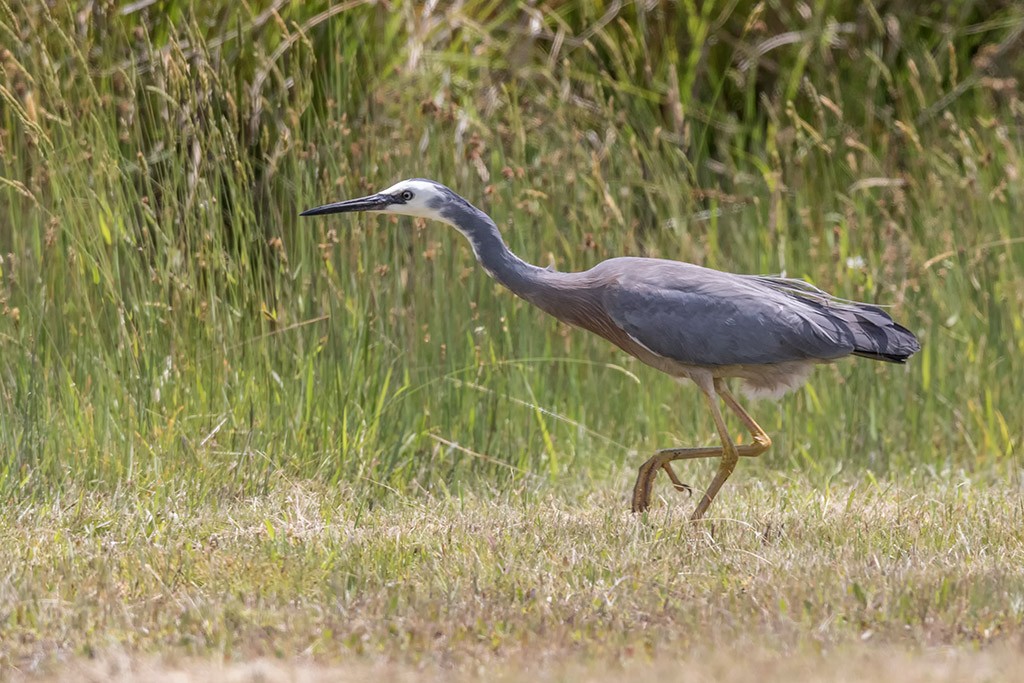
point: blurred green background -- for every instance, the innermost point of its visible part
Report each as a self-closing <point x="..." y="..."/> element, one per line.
<point x="167" y="316"/>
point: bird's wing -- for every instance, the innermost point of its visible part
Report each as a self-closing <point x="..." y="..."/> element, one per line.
<point x="699" y="316"/>
<point x="873" y="331"/>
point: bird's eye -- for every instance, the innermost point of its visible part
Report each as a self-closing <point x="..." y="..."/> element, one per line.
<point x="406" y="196"/>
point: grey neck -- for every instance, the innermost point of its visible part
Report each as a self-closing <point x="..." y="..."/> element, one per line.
<point x="491" y="251"/>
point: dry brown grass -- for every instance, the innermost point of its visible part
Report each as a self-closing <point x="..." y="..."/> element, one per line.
<point x="866" y="663"/>
<point x="786" y="578"/>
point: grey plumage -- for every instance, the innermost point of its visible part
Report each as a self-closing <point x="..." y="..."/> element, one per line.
<point x="685" y="320"/>
<point x="700" y="316"/>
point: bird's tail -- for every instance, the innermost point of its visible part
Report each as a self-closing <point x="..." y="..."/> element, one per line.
<point x="875" y="334"/>
<point x="878" y="336"/>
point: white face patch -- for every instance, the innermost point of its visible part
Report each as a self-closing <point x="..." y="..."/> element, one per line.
<point x="419" y="204"/>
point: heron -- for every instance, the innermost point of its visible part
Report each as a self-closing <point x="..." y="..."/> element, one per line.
<point x="688" y="321"/>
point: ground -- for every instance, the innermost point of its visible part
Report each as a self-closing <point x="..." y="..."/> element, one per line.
<point x="864" y="580"/>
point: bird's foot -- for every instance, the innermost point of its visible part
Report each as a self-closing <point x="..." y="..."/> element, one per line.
<point x="676" y="484"/>
<point x="645" y="479"/>
<point x="642" y="488"/>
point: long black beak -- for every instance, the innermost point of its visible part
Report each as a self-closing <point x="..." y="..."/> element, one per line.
<point x="375" y="202"/>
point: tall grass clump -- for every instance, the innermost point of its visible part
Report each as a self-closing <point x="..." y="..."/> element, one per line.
<point x="165" y="315"/>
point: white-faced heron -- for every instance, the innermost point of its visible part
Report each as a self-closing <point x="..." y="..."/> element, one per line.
<point x="682" y="319"/>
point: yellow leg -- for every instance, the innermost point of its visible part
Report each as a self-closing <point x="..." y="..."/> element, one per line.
<point x="728" y="451"/>
<point x="661" y="460"/>
<point x="761" y="438"/>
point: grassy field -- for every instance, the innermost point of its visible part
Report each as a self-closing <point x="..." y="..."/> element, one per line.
<point x="226" y="432"/>
<point x="869" y="578"/>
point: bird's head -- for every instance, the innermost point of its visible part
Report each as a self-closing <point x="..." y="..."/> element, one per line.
<point x="413" y="197"/>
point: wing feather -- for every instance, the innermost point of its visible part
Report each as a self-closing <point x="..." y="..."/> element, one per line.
<point x="700" y="316"/>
